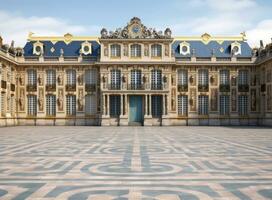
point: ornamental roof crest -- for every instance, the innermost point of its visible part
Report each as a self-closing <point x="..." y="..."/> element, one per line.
<point x="135" y="30"/>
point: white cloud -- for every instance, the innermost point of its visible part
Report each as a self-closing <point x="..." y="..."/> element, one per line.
<point x="228" y="17"/>
<point x="224" y="6"/>
<point x="263" y="31"/>
<point x="13" y="27"/>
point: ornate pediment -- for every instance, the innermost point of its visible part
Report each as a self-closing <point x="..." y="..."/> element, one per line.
<point x="135" y="30"/>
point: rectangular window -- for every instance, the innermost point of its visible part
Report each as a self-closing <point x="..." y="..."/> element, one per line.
<point x="32" y="105"/>
<point x="224" y="77"/>
<point x="136" y="79"/>
<point x="31" y="77"/>
<point x="51" y="77"/>
<point x="115" y="50"/>
<point x="203" y="105"/>
<point x="242" y="105"/>
<point x="183" y="105"/>
<point x="91" y="77"/>
<point x="203" y="77"/>
<point x="3" y="104"/>
<point x="51" y="105"/>
<point x="156" y="102"/>
<point x="156" y="50"/>
<point x="115" y="79"/>
<point x="90" y="105"/>
<point x="71" y="77"/>
<point x="224" y="104"/>
<point x="115" y="105"/>
<point x="243" y="77"/>
<point x="156" y="79"/>
<point x="71" y="105"/>
<point x="182" y="77"/>
<point x="135" y="50"/>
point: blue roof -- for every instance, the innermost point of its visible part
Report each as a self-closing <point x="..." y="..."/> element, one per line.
<point x="205" y="50"/>
<point x="71" y="49"/>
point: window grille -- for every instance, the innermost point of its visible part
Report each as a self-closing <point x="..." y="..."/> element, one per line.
<point x="156" y="79"/>
<point x="182" y="77"/>
<point x="182" y="105"/>
<point x="50" y="105"/>
<point x="32" y="105"/>
<point x="116" y="79"/>
<point x="203" y="77"/>
<point x="156" y="101"/>
<point x="224" y="77"/>
<point x="115" y="50"/>
<point x="71" y="105"/>
<point x="203" y="105"/>
<point x="115" y="105"/>
<point x="135" y="50"/>
<point x="90" y="104"/>
<point x="243" y="105"/>
<point x="71" y="77"/>
<point x="156" y="50"/>
<point x="224" y="104"/>
<point x="32" y="77"/>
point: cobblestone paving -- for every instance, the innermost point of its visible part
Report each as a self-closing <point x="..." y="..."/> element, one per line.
<point x="148" y="163"/>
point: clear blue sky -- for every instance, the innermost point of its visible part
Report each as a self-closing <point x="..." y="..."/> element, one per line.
<point x="191" y="17"/>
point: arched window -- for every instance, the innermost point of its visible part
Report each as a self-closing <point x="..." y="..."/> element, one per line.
<point x="135" y="50"/>
<point x="115" y="50"/>
<point x="156" y="50"/>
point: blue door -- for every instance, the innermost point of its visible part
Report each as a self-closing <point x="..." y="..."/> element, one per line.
<point x="136" y="109"/>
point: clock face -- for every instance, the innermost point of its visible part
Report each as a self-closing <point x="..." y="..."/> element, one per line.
<point x="136" y="29"/>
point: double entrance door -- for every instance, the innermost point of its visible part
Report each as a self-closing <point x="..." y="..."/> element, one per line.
<point x="136" y="110"/>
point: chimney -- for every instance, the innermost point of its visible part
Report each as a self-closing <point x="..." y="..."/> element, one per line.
<point x="261" y="44"/>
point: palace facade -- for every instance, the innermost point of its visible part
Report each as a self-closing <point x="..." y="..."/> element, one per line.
<point x="135" y="76"/>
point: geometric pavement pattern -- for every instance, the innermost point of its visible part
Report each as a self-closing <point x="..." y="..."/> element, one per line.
<point x="148" y="163"/>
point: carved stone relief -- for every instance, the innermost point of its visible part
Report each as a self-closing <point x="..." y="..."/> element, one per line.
<point x="22" y="79"/>
<point x="233" y="80"/>
<point x="192" y="79"/>
<point x="233" y="100"/>
<point x="40" y="79"/>
<point x="146" y="50"/>
<point x="214" y="99"/>
<point x="41" y="99"/>
<point x="60" y="100"/>
<point x="125" y="49"/>
<point x="173" y="99"/>
<point x="193" y="99"/>
<point x="253" y="100"/>
<point x="60" y="79"/>
<point x="80" y="100"/>
<point x="22" y="99"/>
<point x="80" y="79"/>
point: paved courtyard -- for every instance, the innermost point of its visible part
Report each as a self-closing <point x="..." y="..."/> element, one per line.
<point x="148" y="163"/>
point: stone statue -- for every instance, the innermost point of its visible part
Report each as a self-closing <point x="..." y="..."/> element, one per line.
<point x="22" y="100"/>
<point x="60" y="100"/>
<point x="60" y="79"/>
<point x="80" y="100"/>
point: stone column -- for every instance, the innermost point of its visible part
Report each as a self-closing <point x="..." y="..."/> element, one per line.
<point x="146" y="102"/>
<point x="122" y="105"/>
<point x="108" y="104"/>
<point x="104" y="104"/>
<point x="150" y="105"/>
<point x="163" y="105"/>
<point x="126" y="103"/>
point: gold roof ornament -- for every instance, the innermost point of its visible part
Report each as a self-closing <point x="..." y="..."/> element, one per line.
<point x="67" y="38"/>
<point x="206" y="38"/>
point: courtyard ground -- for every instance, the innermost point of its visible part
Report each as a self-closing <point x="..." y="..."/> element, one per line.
<point x="148" y="163"/>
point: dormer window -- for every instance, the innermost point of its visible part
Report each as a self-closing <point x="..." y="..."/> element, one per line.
<point x="86" y="48"/>
<point x="115" y="51"/>
<point x="236" y="48"/>
<point x="135" y="51"/>
<point x="38" y="48"/>
<point x="156" y="50"/>
<point x="184" y="48"/>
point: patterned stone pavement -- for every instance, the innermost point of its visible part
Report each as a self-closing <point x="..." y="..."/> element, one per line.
<point x="148" y="163"/>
